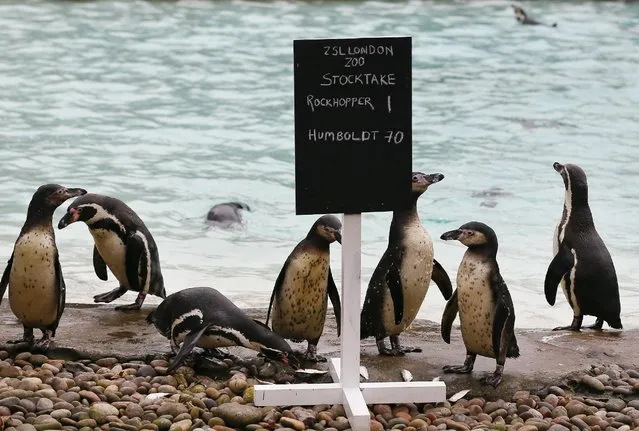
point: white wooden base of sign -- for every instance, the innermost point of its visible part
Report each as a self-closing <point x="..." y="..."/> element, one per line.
<point x="347" y="389"/>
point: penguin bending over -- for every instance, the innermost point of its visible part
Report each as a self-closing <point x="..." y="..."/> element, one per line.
<point x="486" y="311"/>
<point x="203" y="317"/>
<point x="227" y="213"/>
<point x="299" y="298"/>
<point x="522" y="17"/>
<point x="36" y="286"/>
<point x="123" y="243"/>
<point x="399" y="283"/>
<point x="582" y="263"/>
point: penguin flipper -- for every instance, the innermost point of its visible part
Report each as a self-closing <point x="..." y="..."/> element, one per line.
<point x="450" y="313"/>
<point x="503" y="329"/>
<point x="276" y="289"/>
<point x="334" y="297"/>
<point x="190" y="340"/>
<point x="441" y="279"/>
<point x="99" y="266"/>
<point x="394" y="283"/>
<point x="61" y="288"/>
<point x="559" y="266"/>
<point x="136" y="263"/>
<point x="5" y="277"/>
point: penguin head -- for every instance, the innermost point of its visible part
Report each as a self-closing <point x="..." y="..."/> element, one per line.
<point x="328" y="227"/>
<point x="51" y="196"/>
<point x="574" y="177"/>
<point x="472" y="234"/>
<point x="422" y="181"/>
<point x="520" y="14"/>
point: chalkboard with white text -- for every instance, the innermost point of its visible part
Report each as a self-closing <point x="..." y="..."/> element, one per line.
<point x="353" y="125"/>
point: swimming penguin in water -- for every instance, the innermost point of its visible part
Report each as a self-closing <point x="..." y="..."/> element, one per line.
<point x="34" y="275"/>
<point x="486" y="310"/>
<point x="399" y="283"/>
<point x="522" y="17"/>
<point x="227" y="213"/>
<point x="203" y="317"/>
<point x="299" y="298"/>
<point x="582" y="263"/>
<point x="123" y="243"/>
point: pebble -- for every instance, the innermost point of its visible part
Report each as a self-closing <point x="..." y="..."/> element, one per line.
<point x="39" y="394"/>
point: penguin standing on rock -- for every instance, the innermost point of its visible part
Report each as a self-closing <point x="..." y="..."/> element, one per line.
<point x="486" y="310"/>
<point x="300" y="295"/>
<point x="582" y="263"/>
<point x="202" y="316"/>
<point x="402" y="277"/>
<point x="123" y="243"/>
<point x="34" y="276"/>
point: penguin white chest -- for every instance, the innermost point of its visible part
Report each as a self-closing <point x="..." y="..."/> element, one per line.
<point x="113" y="252"/>
<point x="415" y="273"/>
<point x="299" y="311"/>
<point x="476" y="304"/>
<point x="33" y="294"/>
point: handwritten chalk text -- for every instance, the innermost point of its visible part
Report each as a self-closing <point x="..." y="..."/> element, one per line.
<point x="335" y="51"/>
<point x="379" y="79"/>
<point x="338" y="102"/>
<point x="315" y="135"/>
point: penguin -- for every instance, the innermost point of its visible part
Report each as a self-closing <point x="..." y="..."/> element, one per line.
<point x="203" y="317"/>
<point x="582" y="263"/>
<point x="227" y="214"/>
<point x="401" y="279"/>
<point x="486" y="310"/>
<point x="123" y="243"/>
<point x="299" y="298"/>
<point x="522" y="17"/>
<point x="33" y="274"/>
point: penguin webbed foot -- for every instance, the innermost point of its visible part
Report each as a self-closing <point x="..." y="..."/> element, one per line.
<point x="467" y="368"/>
<point x="398" y="349"/>
<point x="597" y="326"/>
<point x="493" y="380"/>
<point x="110" y="296"/>
<point x="385" y="351"/>
<point x="311" y="354"/>
<point x="574" y="326"/>
<point x="457" y="369"/>
<point x="43" y="343"/>
<point x="135" y="306"/>
<point x="27" y="337"/>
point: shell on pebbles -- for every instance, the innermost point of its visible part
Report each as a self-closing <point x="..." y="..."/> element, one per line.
<point x="407" y="376"/>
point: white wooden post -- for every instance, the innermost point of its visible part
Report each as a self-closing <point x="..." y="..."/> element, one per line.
<point x="347" y="389"/>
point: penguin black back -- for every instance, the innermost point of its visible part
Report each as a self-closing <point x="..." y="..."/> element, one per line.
<point x="582" y="263"/>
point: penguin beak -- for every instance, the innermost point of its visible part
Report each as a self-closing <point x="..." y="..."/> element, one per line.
<point x="451" y="235"/>
<point x="338" y="236"/>
<point x="558" y="166"/>
<point x="70" y="217"/>
<point x="434" y="178"/>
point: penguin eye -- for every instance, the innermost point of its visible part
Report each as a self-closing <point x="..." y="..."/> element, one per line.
<point x="79" y="210"/>
<point x="414" y="177"/>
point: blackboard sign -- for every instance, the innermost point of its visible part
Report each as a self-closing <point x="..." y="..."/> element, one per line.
<point x="353" y="125"/>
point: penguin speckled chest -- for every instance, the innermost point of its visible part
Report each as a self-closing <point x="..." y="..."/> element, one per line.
<point x="31" y="297"/>
<point x="123" y="244"/>
<point x="401" y="280"/>
<point x="202" y="316"/>
<point x="296" y="314"/>
<point x="582" y="263"/>
<point x="486" y="310"/>
<point x="299" y="298"/>
<point x="33" y="274"/>
<point x="476" y="304"/>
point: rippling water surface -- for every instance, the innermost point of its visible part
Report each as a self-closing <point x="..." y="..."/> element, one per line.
<point x="174" y="106"/>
